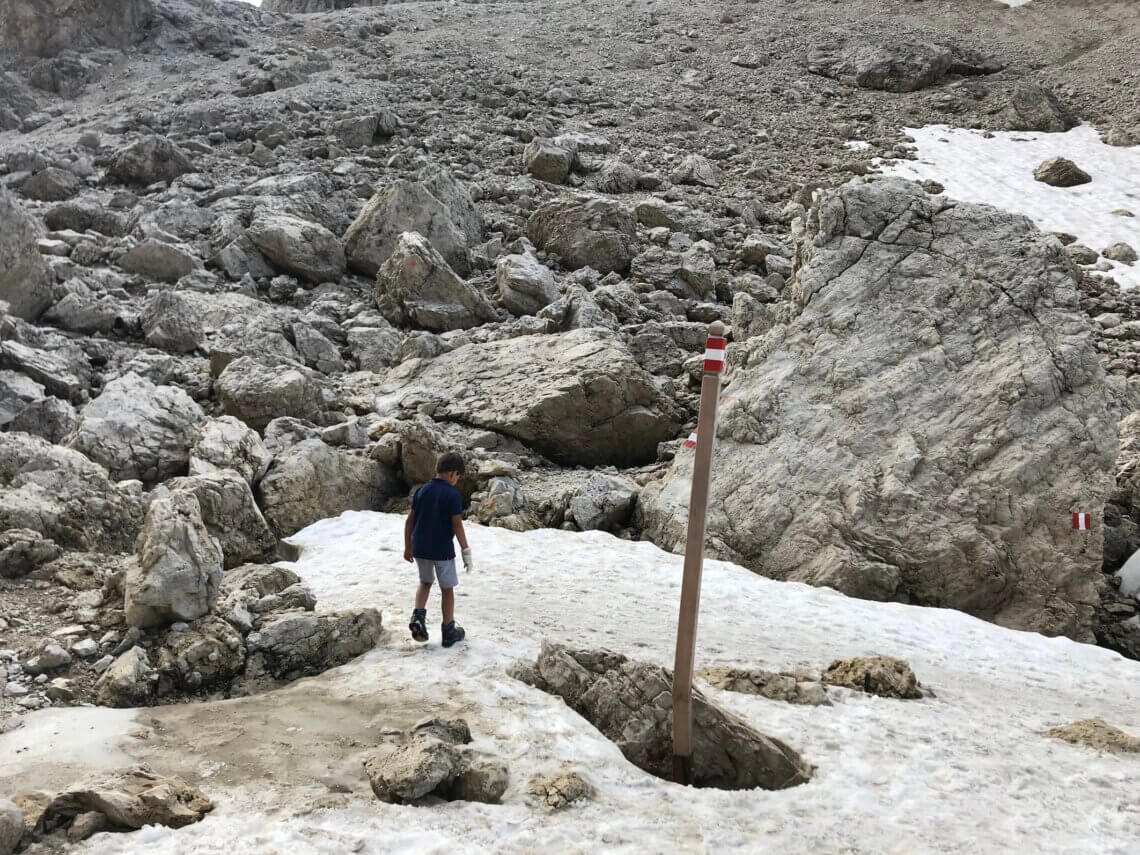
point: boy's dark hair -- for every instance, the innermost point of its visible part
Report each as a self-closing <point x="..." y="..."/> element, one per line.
<point x="450" y="462"/>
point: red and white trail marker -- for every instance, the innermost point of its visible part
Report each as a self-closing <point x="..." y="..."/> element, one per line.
<point x="1082" y="522"/>
<point x="714" y="353"/>
<point x="691" y="442"/>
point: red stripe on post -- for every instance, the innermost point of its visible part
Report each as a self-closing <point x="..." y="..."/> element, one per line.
<point x="714" y="354"/>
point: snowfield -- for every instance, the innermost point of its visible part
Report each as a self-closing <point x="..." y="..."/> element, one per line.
<point x="964" y="770"/>
<point x="998" y="170"/>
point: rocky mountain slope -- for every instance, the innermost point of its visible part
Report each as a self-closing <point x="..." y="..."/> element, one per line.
<point x="259" y="266"/>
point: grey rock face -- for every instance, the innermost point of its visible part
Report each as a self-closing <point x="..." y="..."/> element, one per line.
<point x="631" y="703"/>
<point x="170" y="323"/>
<point x="64" y="496"/>
<point x="226" y="443"/>
<point x="586" y="232"/>
<point x="306" y="643"/>
<point x="64" y="372"/>
<point x="312" y="480"/>
<point x="924" y="426"/>
<point x="605" y="502"/>
<point x="435" y="206"/>
<point x="11" y="826"/>
<point x="230" y="513"/>
<point x="526" y="285"/>
<point x="23" y="550"/>
<point x="46" y="27"/>
<point x="179" y="565"/>
<point x="548" y="161"/>
<point x="129" y="682"/>
<point x="131" y="800"/>
<point x="160" y="261"/>
<point x="578" y="398"/>
<point x="416" y="286"/>
<point x="257" y="393"/>
<point x="139" y="430"/>
<point x="25" y="282"/>
<point x="149" y="161"/>
<point x="297" y="246"/>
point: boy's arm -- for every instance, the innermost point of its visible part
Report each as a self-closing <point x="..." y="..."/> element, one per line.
<point x="465" y="550"/>
<point x="408" y="536"/>
<point x="457" y="530"/>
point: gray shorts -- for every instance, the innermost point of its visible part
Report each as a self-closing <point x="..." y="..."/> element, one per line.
<point x="445" y="570"/>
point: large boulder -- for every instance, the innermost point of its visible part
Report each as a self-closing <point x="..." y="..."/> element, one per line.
<point x="435" y="206"/>
<point x="131" y="800"/>
<point x="179" y="566"/>
<point x="226" y="443"/>
<point x="230" y="513"/>
<point x="25" y="281"/>
<point x="526" y="285"/>
<point x="926" y="424"/>
<point x="64" y="371"/>
<point x="46" y="27"/>
<point x="11" y="826"/>
<point x="128" y="682"/>
<point x="1030" y="107"/>
<point x="586" y="232"/>
<point x="631" y="703"/>
<point x="434" y="759"/>
<point x="578" y="398"/>
<point x="257" y="393"/>
<point x="297" y="246"/>
<point x="139" y="430"/>
<point x="160" y="261"/>
<point x="170" y="323"/>
<point x="65" y="496"/>
<point x="151" y="160"/>
<point x="207" y="653"/>
<point x="298" y="644"/>
<point x="416" y="287"/>
<point x="311" y="481"/>
<point x="895" y="66"/>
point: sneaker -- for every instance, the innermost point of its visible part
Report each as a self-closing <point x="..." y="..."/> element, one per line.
<point x="418" y="624"/>
<point x="452" y="633"/>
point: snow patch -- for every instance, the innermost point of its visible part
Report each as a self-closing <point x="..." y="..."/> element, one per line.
<point x="998" y="171"/>
<point x="963" y="771"/>
<point x="1015" y="2"/>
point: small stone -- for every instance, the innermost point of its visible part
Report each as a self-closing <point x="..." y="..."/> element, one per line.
<point x="15" y="690"/>
<point x="1121" y="252"/>
<point x="1080" y="254"/>
<point x="85" y="649"/>
<point x="102" y="664"/>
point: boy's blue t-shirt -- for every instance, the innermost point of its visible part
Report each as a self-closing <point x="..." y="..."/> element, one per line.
<point x="433" y="506"/>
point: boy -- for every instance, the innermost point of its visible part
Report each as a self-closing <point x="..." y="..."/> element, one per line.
<point x="435" y="518"/>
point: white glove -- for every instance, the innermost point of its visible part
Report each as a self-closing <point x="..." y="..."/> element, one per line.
<point x="468" y="563"/>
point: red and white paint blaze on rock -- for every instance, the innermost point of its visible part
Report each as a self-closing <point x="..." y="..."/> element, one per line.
<point x="1082" y="522"/>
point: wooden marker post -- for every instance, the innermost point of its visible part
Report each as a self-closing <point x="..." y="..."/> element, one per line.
<point x="694" y="557"/>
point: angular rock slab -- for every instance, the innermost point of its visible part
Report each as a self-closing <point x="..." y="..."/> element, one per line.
<point x="179" y="565"/>
<point x="578" y="398"/>
<point x="631" y="703"/>
<point x="925" y="425"/>
<point x="416" y="286"/>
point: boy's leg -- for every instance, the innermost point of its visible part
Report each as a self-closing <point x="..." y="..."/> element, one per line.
<point x="448" y="580"/>
<point x="448" y="595"/>
<point x="418" y="624"/>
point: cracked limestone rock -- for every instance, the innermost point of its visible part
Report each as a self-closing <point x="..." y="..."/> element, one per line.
<point x="924" y="426"/>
